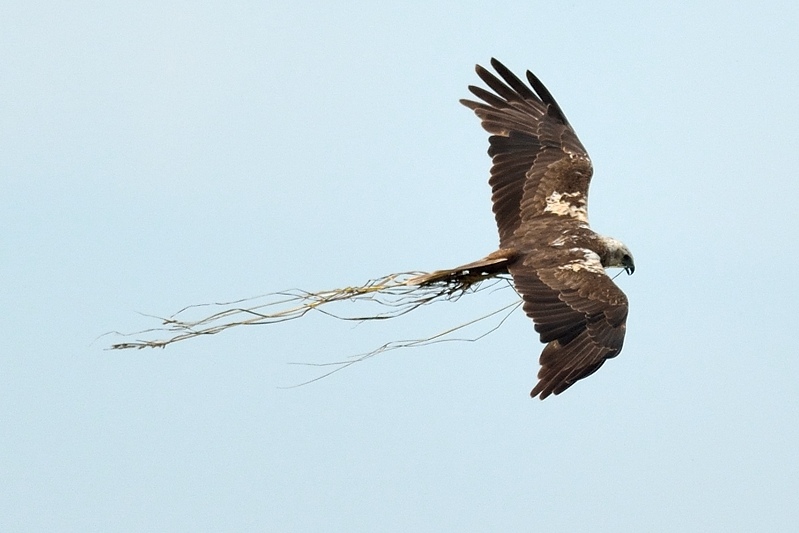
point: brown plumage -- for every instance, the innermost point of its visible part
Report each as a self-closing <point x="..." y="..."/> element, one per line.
<point x="539" y="180"/>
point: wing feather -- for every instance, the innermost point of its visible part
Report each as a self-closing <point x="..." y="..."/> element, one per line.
<point x="580" y="315"/>
<point x="534" y="149"/>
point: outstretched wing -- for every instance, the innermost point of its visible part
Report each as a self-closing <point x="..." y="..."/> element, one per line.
<point x="535" y="152"/>
<point x="578" y="311"/>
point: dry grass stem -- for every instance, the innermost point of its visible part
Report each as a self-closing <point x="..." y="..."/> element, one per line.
<point x="393" y="295"/>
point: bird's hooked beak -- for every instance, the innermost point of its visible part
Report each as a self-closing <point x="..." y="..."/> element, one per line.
<point x="628" y="264"/>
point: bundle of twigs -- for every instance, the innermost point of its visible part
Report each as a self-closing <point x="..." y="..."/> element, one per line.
<point x="395" y="295"/>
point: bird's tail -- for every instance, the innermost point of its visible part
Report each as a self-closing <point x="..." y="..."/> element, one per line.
<point x="492" y="265"/>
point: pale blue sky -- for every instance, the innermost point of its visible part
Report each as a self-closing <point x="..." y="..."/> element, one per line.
<point x="159" y="154"/>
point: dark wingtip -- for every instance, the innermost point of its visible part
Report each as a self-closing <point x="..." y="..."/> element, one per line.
<point x="546" y="97"/>
<point x="497" y="64"/>
<point x="469" y="103"/>
<point x="539" y="391"/>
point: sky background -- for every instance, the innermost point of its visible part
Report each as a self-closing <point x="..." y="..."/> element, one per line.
<point x="159" y="154"/>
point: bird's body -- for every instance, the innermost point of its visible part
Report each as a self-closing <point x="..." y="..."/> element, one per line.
<point x="539" y="178"/>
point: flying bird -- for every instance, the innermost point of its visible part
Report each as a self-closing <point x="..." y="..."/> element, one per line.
<point x="540" y="175"/>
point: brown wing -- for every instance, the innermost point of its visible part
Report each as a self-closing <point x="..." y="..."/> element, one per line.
<point x="579" y="312"/>
<point x="530" y="135"/>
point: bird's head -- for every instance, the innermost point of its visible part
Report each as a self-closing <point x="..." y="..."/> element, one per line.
<point x="616" y="254"/>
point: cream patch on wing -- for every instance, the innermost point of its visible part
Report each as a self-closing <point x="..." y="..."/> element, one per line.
<point x="569" y="204"/>
<point x="590" y="262"/>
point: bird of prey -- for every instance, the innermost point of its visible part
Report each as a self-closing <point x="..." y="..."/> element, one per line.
<point x="540" y="175"/>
